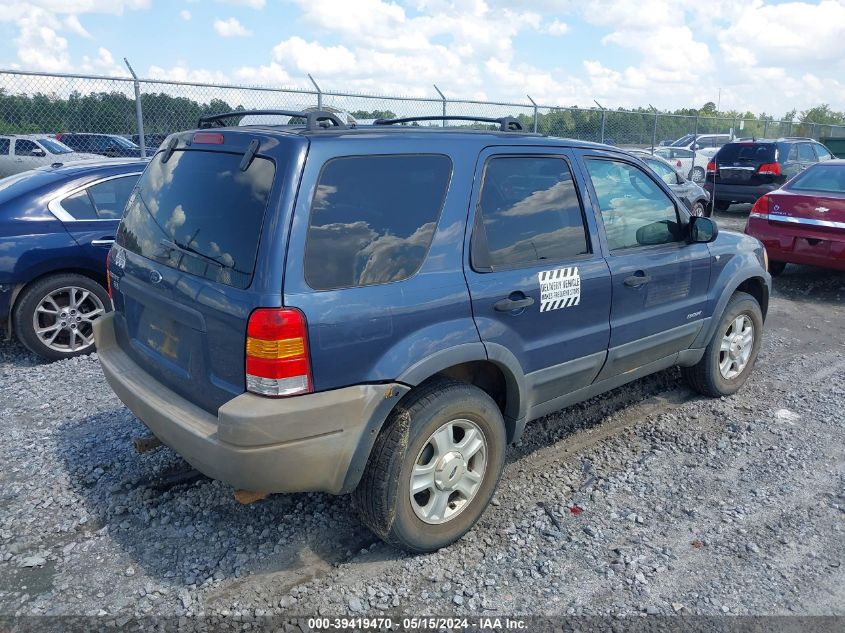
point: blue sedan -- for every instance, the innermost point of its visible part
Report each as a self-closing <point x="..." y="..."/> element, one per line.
<point x="56" y="227"/>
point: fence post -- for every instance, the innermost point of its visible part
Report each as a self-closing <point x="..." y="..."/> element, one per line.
<point x="766" y="128"/>
<point x="694" y="145"/>
<point x="319" y="92"/>
<point x="603" y="112"/>
<point x="442" y="96"/>
<point x="535" y="112"/>
<point x="654" y="129"/>
<point x="139" y="110"/>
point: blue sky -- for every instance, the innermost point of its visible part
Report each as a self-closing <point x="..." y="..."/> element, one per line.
<point x="761" y="56"/>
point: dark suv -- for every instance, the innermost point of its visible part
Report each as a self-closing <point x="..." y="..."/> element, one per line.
<point x="382" y="309"/>
<point x="745" y="170"/>
<point x="111" y="145"/>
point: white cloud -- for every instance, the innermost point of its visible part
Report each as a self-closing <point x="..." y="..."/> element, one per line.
<point x="185" y="14"/>
<point x="73" y="24"/>
<point x="230" y="28"/>
<point x="556" y="28"/>
<point x="252" y="4"/>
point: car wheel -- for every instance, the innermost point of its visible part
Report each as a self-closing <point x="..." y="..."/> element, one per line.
<point x="434" y="466"/>
<point x="53" y="317"/>
<point x="722" y="206"/>
<point x="697" y="175"/>
<point x="729" y="357"/>
<point x="776" y="268"/>
<point x="698" y="209"/>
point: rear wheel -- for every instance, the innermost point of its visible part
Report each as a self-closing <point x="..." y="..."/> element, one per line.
<point x="722" y="206"/>
<point x="777" y="268"/>
<point x="729" y="357"/>
<point x="54" y="316"/>
<point x="434" y="466"/>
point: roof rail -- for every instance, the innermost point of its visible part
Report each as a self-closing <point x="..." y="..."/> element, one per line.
<point x="797" y="138"/>
<point x="506" y="124"/>
<point x="316" y="120"/>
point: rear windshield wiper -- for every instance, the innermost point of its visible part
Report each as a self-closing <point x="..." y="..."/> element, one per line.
<point x="184" y="248"/>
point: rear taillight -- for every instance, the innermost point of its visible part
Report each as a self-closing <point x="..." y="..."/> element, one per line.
<point x="769" y="169"/>
<point x="678" y="164"/>
<point x="711" y="167"/>
<point x="760" y="208"/>
<point x="108" y="283"/>
<point x="277" y="359"/>
<point x="208" y="138"/>
<point x="59" y="137"/>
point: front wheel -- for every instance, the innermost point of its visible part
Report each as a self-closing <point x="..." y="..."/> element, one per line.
<point x="776" y="268"/>
<point x="698" y="209"/>
<point x="729" y="357"/>
<point x="54" y="316"/>
<point x="434" y="466"/>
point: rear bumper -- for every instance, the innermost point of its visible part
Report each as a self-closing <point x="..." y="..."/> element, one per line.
<point x="796" y="245"/>
<point x="314" y="442"/>
<point x="739" y="193"/>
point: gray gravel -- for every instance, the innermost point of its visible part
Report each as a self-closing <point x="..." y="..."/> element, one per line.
<point x="647" y="500"/>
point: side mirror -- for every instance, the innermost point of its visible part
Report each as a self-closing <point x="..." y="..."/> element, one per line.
<point x="702" y="230"/>
<point x="655" y="233"/>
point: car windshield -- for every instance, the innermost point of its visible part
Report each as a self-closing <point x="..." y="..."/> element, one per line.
<point x="54" y="147"/>
<point x="684" y="140"/>
<point x="123" y="142"/>
<point x="819" y="178"/>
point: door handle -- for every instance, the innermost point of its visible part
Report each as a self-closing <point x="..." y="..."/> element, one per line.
<point x="103" y="242"/>
<point x="638" y="279"/>
<point x="509" y="304"/>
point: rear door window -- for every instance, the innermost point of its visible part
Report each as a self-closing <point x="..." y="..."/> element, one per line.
<point x="79" y="206"/>
<point x="373" y="218"/>
<point x="110" y="196"/>
<point x="530" y="212"/>
<point x="806" y="154"/>
<point x="200" y="213"/>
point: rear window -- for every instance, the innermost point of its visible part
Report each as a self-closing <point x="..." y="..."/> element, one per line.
<point x="200" y="213"/>
<point x="747" y="153"/>
<point x="819" y="178"/>
<point x="373" y="218"/>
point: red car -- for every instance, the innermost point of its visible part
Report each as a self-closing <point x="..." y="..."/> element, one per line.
<point x="803" y="222"/>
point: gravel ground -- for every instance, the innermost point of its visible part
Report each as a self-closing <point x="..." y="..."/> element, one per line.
<point x="648" y="499"/>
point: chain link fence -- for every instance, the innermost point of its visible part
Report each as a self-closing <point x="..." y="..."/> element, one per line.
<point x="39" y="103"/>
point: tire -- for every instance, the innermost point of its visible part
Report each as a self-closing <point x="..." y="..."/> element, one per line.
<point x="707" y="375"/>
<point x="383" y="497"/>
<point x="776" y="268"/>
<point x="698" y="209"/>
<point x="697" y="175"/>
<point x="75" y="337"/>
<point x="722" y="206"/>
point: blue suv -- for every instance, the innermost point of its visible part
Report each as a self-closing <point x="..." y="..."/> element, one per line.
<point x="381" y="310"/>
<point x="57" y="224"/>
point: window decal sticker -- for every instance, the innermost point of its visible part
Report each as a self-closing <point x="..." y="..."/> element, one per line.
<point x="559" y="288"/>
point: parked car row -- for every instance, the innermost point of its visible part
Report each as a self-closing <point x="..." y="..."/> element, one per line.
<point x="21" y="152"/>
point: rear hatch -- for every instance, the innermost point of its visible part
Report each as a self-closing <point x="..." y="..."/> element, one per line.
<point x="748" y="163"/>
<point x="184" y="268"/>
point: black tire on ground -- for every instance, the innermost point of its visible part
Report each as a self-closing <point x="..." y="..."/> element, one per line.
<point x="776" y="268"/>
<point x="705" y="376"/>
<point x="383" y="496"/>
<point x="722" y="206"/>
<point x="32" y="296"/>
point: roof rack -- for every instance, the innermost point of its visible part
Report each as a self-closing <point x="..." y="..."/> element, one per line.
<point x="316" y="120"/>
<point x="797" y="138"/>
<point x="506" y="124"/>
